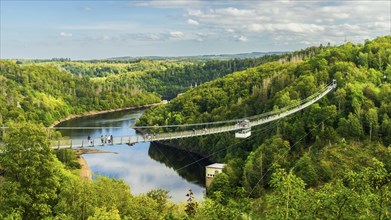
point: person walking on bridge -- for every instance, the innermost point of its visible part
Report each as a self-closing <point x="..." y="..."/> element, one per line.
<point x="89" y="140"/>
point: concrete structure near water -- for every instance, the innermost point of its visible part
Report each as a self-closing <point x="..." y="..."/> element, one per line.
<point x="211" y="171"/>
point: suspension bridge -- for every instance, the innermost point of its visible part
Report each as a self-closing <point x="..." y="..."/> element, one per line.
<point x="241" y="127"/>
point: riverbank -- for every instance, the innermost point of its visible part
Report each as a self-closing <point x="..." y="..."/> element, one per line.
<point x="105" y="111"/>
<point x="81" y="151"/>
<point x="85" y="171"/>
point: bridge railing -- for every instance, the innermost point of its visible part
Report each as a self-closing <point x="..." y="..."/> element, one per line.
<point x="93" y="142"/>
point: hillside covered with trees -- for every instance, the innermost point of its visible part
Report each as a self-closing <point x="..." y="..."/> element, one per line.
<point x="331" y="160"/>
<point x="47" y="91"/>
<point x="45" y="94"/>
<point x="333" y="157"/>
<point x="164" y="77"/>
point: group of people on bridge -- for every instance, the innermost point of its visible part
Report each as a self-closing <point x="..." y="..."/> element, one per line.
<point x="107" y="139"/>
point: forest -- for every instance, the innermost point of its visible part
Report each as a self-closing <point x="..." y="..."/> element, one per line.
<point x="164" y="77"/>
<point x="323" y="150"/>
<point x="49" y="90"/>
<point x="45" y="93"/>
<point x="331" y="160"/>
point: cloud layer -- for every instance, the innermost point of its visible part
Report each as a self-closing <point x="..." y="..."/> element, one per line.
<point x="187" y="27"/>
<point x="297" y="21"/>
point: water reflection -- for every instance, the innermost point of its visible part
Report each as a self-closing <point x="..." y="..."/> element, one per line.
<point x="188" y="165"/>
<point x="142" y="173"/>
<point x="114" y="123"/>
<point x="144" y="166"/>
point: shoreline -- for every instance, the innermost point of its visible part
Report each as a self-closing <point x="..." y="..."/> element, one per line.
<point x="90" y="113"/>
<point x="85" y="171"/>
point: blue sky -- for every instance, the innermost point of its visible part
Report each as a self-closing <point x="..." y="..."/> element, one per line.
<point x="102" y="29"/>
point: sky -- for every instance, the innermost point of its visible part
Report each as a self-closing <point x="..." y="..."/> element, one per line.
<point x="103" y="29"/>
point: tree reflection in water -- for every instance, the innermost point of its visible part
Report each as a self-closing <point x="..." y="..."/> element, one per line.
<point x="183" y="162"/>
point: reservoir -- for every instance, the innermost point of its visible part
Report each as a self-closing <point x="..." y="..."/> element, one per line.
<point x="144" y="166"/>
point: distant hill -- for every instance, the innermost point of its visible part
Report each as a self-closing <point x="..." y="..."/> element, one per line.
<point x="202" y="57"/>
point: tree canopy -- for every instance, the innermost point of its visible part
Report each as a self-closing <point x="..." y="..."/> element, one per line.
<point x="331" y="160"/>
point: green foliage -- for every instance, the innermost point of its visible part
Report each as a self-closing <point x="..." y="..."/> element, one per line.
<point x="260" y="164"/>
<point x="81" y="200"/>
<point x="220" y="189"/>
<point x="289" y="197"/>
<point x="305" y="169"/>
<point x="68" y="157"/>
<point x="386" y="130"/>
<point x="165" y="77"/>
<point x="31" y="173"/>
<point x="337" y="151"/>
<point x="210" y="209"/>
<point x="44" y="93"/>
<point x="103" y="214"/>
<point x="13" y="216"/>
<point x="338" y="134"/>
<point x="161" y="197"/>
<point x="362" y="195"/>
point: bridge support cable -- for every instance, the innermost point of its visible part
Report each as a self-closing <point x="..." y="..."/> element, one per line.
<point x="268" y="128"/>
<point x="321" y="92"/>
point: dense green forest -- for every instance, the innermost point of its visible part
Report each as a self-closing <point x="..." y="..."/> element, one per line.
<point x="331" y="160"/>
<point x="164" y="77"/>
<point x="45" y="93"/>
<point x="330" y="152"/>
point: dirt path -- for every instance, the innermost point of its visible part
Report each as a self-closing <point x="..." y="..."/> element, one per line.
<point x="85" y="172"/>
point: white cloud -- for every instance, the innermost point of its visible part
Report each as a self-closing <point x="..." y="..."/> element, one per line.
<point x="242" y="39"/>
<point x="230" y="11"/>
<point x="298" y="21"/>
<point x="222" y="26"/>
<point x="192" y="22"/>
<point x="381" y="24"/>
<point x="65" y="34"/>
<point x="288" y="27"/>
<point x="196" y="13"/>
<point x="255" y="27"/>
<point x="177" y="34"/>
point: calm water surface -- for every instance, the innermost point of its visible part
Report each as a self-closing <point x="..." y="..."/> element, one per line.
<point x="144" y="166"/>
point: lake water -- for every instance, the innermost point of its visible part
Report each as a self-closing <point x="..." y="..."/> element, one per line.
<point x="145" y="166"/>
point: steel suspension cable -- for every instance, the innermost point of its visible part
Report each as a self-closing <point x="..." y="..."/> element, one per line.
<point x="296" y="104"/>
